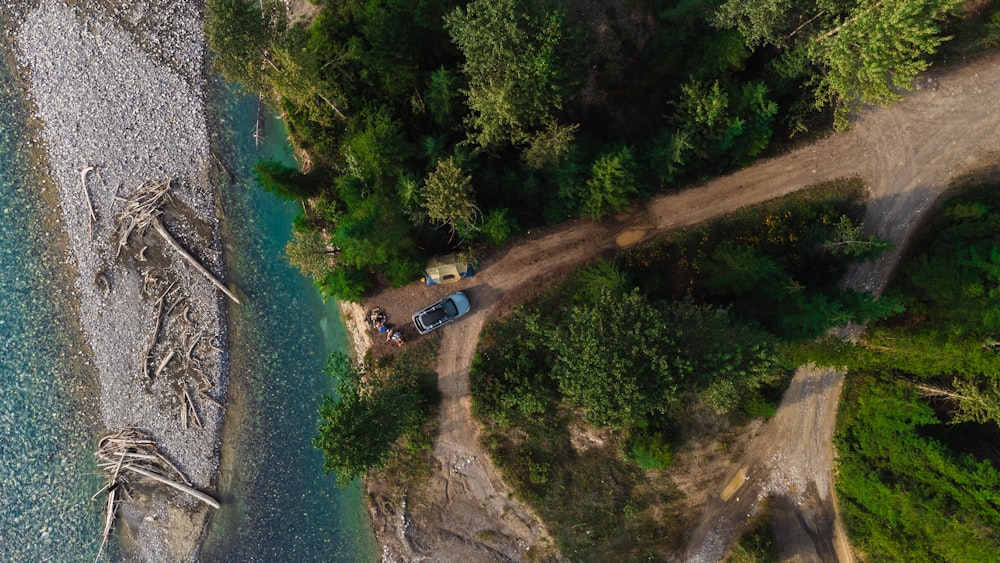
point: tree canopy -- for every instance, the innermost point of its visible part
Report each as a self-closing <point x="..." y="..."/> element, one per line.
<point x="555" y="114"/>
<point x="866" y="50"/>
<point x="358" y="426"/>
<point x="627" y="361"/>
<point x="513" y="64"/>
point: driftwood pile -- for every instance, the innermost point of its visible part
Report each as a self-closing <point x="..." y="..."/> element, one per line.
<point x="142" y="210"/>
<point x="180" y="351"/>
<point x="130" y="454"/>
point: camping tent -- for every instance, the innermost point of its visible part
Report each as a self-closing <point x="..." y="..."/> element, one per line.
<point x="446" y="269"/>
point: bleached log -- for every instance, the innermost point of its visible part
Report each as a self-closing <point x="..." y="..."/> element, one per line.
<point x="194" y="412"/>
<point x="205" y="396"/>
<point x="109" y="521"/>
<point x="179" y="486"/>
<point x="169" y="239"/>
<point x="86" y="194"/>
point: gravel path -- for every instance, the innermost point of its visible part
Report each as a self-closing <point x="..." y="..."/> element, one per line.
<point x="119" y="87"/>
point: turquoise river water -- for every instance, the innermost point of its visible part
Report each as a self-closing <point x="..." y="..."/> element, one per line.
<point x="281" y="507"/>
<point x="48" y="427"/>
<point x="277" y="504"/>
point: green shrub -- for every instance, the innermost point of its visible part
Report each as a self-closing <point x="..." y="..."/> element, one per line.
<point x="650" y="451"/>
<point x="498" y="226"/>
<point x="343" y="283"/>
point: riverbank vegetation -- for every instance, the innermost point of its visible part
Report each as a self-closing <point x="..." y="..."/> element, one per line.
<point x="382" y="416"/>
<point x="630" y="347"/>
<point x="433" y="125"/>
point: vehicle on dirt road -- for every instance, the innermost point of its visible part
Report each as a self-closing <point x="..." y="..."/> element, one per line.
<point x="441" y="313"/>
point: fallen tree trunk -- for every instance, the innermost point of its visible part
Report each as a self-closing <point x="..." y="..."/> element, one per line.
<point x="179" y="486"/>
<point x="169" y="239"/>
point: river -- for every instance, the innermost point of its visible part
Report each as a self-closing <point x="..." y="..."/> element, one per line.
<point x="280" y="506"/>
<point x="48" y="407"/>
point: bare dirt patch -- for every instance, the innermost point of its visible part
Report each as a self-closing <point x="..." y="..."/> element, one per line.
<point x="907" y="154"/>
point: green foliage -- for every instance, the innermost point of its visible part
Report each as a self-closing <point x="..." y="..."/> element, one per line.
<point x="509" y="379"/>
<point x="373" y="235"/>
<point x="612" y="181"/>
<point x="302" y="72"/>
<point x="736" y="127"/>
<point x="359" y="426"/>
<point x="593" y="281"/>
<point x="757" y="544"/>
<point x="905" y="496"/>
<point x="731" y="361"/>
<point x="626" y="360"/>
<point x="650" y="450"/>
<point x="760" y="22"/>
<point x="498" y="226"/>
<point x="550" y="146"/>
<point x="448" y="196"/>
<point x="875" y="51"/>
<point x="374" y="151"/>
<point x="240" y="32"/>
<point x="992" y="31"/>
<point x="866" y="51"/>
<point x="735" y="269"/>
<point x="911" y="488"/>
<point x="343" y="283"/>
<point x="768" y="262"/>
<point x="513" y="67"/>
<point x="309" y="253"/>
<point x="978" y="400"/>
<point x="616" y="360"/>
<point x="667" y="154"/>
<point x="442" y="96"/>
<point x="848" y="241"/>
<point x="285" y="182"/>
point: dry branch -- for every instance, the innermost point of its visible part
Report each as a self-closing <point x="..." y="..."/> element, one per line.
<point x="148" y="349"/>
<point x="130" y="451"/>
<point x="205" y="396"/>
<point x="109" y="520"/>
<point x="179" y="486"/>
<point x="165" y="235"/>
<point x="86" y="194"/>
<point x="190" y="404"/>
<point x="163" y="363"/>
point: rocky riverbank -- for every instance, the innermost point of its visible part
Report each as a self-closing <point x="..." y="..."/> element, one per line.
<point x="118" y="90"/>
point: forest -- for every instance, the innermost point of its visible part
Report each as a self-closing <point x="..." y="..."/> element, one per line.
<point x="434" y="126"/>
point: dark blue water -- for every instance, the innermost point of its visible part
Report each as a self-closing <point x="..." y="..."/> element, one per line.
<point x="48" y="427"/>
<point x="278" y="504"/>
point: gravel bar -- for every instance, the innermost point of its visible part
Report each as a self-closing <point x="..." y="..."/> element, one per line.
<point x="120" y="87"/>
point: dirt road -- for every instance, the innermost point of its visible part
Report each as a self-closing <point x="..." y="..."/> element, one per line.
<point x="908" y="155"/>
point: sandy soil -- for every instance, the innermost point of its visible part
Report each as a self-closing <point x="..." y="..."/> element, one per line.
<point x="907" y="154"/>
